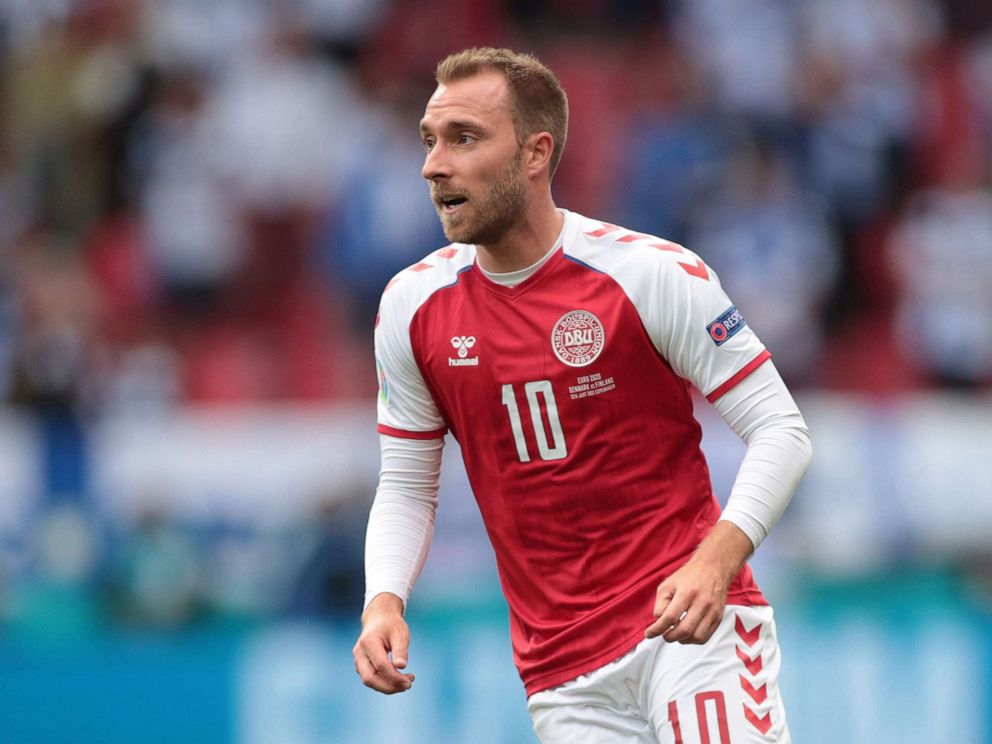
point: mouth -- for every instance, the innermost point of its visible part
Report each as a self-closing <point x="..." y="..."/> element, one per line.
<point x="451" y="203"/>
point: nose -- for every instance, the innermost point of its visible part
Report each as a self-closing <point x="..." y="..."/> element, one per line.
<point x="436" y="164"/>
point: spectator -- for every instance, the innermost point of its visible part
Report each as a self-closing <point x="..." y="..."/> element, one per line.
<point x="773" y="245"/>
<point x="940" y="251"/>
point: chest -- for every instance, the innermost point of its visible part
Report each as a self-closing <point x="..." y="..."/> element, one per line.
<point x="572" y="343"/>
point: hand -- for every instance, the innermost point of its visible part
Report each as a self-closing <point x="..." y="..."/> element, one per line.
<point x="381" y="649"/>
<point x="689" y="604"/>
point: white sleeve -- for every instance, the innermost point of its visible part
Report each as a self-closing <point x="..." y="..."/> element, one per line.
<point x="762" y="413"/>
<point x="401" y="522"/>
<point x="691" y="320"/>
<point x="405" y="406"/>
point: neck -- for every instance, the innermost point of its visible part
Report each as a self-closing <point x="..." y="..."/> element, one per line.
<point x="526" y="242"/>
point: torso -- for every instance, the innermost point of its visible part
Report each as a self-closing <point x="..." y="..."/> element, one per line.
<point x="576" y="431"/>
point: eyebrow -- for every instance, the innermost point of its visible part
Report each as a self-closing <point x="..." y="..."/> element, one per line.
<point x="454" y="125"/>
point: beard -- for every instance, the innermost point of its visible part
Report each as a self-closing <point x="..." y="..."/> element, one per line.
<point x="487" y="219"/>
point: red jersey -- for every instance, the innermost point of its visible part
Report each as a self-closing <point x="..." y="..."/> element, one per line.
<point x="569" y="395"/>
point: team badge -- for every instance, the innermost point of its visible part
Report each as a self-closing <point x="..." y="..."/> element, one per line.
<point x="578" y="338"/>
<point x="726" y="325"/>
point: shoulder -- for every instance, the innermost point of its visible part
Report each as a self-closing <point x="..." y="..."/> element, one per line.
<point x="410" y="288"/>
<point x="631" y="257"/>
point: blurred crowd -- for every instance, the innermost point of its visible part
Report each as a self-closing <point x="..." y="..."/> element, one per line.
<point x="201" y="201"/>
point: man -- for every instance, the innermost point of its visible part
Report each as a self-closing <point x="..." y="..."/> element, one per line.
<point x="559" y="351"/>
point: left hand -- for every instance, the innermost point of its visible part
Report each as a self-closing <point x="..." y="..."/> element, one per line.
<point x="689" y="604"/>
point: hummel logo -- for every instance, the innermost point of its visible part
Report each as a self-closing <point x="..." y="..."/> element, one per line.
<point x="463" y="344"/>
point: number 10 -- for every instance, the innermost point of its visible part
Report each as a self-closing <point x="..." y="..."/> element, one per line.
<point x="555" y="451"/>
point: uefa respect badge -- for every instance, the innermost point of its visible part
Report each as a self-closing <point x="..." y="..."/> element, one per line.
<point x="726" y="325"/>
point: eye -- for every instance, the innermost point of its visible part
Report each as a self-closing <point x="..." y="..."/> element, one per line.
<point x="428" y="143"/>
<point x="465" y="138"/>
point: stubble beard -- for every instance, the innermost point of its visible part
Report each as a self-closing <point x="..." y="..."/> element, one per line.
<point x="494" y="214"/>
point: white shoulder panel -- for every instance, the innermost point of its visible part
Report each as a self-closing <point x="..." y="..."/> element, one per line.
<point x="688" y="316"/>
<point x="405" y="405"/>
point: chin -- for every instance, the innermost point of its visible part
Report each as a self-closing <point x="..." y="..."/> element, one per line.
<point x="460" y="233"/>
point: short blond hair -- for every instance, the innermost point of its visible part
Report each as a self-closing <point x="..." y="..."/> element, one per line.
<point x="538" y="102"/>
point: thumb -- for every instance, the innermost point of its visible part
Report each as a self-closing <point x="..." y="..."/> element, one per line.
<point x="399" y="643"/>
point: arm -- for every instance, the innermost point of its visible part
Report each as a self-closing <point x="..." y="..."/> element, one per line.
<point x="762" y="412"/>
<point x="400" y="530"/>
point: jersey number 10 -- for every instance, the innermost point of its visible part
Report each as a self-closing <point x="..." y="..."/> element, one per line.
<point x="554" y="450"/>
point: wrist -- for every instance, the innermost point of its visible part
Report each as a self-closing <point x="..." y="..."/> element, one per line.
<point x="725" y="549"/>
<point x="383" y="603"/>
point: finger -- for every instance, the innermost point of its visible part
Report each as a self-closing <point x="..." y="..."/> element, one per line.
<point x="373" y="679"/>
<point x="375" y="650"/>
<point x="665" y="595"/>
<point x="368" y="674"/>
<point x="676" y="609"/>
<point x="687" y="625"/>
<point x="399" y="642"/>
<point x="708" y="622"/>
<point x="668" y="617"/>
<point x="702" y="636"/>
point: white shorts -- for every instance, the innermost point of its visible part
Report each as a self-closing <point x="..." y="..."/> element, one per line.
<point x="723" y="692"/>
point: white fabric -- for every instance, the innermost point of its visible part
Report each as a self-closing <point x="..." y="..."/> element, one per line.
<point x="630" y="700"/>
<point x="759" y="409"/>
<point x="401" y="522"/>
<point x="675" y="294"/>
<point x="405" y="402"/>
<point x="761" y="412"/>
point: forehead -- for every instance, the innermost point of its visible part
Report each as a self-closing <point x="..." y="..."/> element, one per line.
<point x="481" y="97"/>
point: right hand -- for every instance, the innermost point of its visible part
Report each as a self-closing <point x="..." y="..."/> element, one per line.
<point x="382" y="647"/>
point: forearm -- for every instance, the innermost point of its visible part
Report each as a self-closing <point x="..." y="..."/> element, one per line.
<point x="762" y="412"/>
<point x="401" y="522"/>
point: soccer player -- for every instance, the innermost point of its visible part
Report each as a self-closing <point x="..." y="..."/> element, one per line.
<point x="560" y="352"/>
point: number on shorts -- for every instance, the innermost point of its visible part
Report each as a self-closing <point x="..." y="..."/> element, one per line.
<point x="702" y="698"/>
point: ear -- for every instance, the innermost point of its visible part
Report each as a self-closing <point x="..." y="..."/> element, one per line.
<point x="538" y="150"/>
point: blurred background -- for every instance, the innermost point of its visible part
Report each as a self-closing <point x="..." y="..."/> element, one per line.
<point x="200" y="201"/>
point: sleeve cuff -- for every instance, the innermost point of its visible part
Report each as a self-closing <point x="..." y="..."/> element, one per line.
<point x="403" y="434"/>
<point x="747" y="369"/>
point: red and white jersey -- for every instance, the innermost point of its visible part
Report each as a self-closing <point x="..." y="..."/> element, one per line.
<point x="569" y="395"/>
